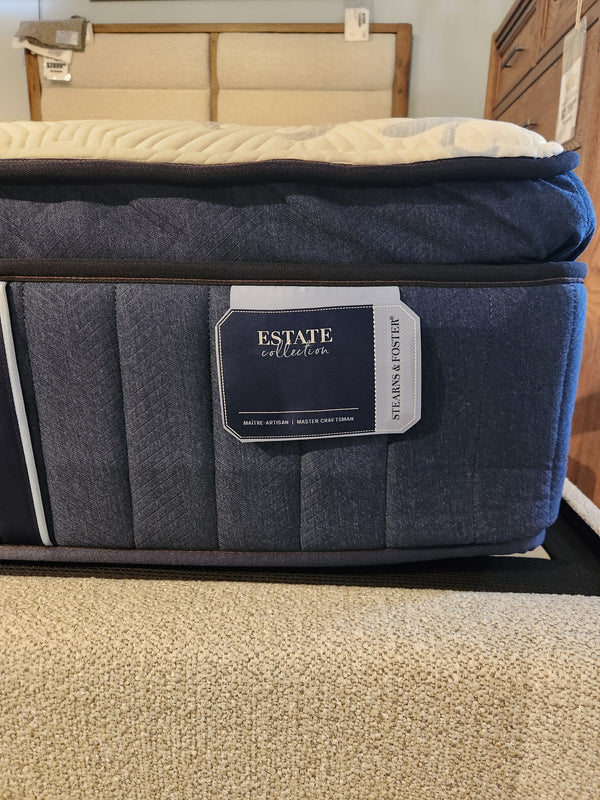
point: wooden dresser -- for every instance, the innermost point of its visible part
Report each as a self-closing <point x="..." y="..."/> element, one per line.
<point x="524" y="87"/>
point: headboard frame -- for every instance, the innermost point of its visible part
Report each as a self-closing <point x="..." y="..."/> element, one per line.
<point x="250" y="73"/>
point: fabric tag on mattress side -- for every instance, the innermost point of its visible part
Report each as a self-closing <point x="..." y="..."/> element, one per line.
<point x="299" y="362"/>
<point x="22" y="518"/>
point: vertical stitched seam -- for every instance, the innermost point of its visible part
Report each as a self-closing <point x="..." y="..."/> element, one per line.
<point x="385" y="493"/>
<point x="126" y="442"/>
<point x="47" y="512"/>
<point x="301" y="453"/>
<point x="211" y="411"/>
<point x="475" y="464"/>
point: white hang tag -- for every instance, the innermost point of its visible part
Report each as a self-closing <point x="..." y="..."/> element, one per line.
<point x="356" y="24"/>
<point x="570" y="83"/>
<point x="54" y="70"/>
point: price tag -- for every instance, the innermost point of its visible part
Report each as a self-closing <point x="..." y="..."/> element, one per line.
<point x="572" y="64"/>
<point x="54" y="70"/>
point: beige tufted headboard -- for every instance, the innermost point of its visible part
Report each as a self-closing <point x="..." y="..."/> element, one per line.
<point x="253" y="74"/>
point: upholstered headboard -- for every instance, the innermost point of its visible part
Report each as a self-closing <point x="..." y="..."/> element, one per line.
<point x="278" y="74"/>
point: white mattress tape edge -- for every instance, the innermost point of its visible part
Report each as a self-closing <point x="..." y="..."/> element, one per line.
<point x="19" y="403"/>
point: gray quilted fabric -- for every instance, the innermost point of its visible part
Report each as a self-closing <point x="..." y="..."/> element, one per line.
<point x="136" y="454"/>
<point x="493" y="400"/>
<point x="258" y="485"/>
<point x="343" y="493"/>
<point x="72" y="336"/>
<point x="165" y="365"/>
<point x="450" y="222"/>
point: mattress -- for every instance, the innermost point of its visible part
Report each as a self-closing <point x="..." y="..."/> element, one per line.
<point x="422" y="191"/>
<point x="136" y="256"/>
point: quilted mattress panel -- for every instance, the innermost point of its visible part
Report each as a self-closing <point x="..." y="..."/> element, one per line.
<point x="119" y="242"/>
<point x="452" y="222"/>
<point x="378" y="191"/>
<point x="380" y="142"/>
<point x="121" y="391"/>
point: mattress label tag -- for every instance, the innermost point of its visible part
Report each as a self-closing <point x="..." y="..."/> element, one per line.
<point x="54" y="70"/>
<point x="300" y="362"/>
<point x="570" y="83"/>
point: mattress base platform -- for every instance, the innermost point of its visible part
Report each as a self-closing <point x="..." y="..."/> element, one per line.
<point x="220" y="558"/>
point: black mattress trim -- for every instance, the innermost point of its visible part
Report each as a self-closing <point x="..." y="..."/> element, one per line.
<point x="573" y="569"/>
<point x="471" y="168"/>
<point x="132" y="270"/>
<point x="264" y="558"/>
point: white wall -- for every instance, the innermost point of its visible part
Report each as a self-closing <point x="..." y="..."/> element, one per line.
<point x="451" y="39"/>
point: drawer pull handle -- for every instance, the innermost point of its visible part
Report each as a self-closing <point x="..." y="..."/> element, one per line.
<point x="506" y="63"/>
<point x="529" y="124"/>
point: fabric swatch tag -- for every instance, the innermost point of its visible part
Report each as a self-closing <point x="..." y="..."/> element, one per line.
<point x="67" y="38"/>
<point x="313" y="362"/>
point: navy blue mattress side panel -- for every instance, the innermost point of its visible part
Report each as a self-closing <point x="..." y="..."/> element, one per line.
<point x="257" y="484"/>
<point x="563" y="417"/>
<point x="74" y="356"/>
<point x="118" y="392"/>
<point x="165" y="375"/>
<point x="499" y="376"/>
<point x="446" y="222"/>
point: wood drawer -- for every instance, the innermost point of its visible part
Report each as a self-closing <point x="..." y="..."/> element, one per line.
<point x="560" y="18"/>
<point x="537" y="107"/>
<point x="539" y="103"/>
<point x="517" y="49"/>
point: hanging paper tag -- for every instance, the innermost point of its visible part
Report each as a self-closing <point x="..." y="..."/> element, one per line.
<point x="356" y="23"/>
<point x="311" y="362"/>
<point x="572" y="63"/>
<point x="54" y="70"/>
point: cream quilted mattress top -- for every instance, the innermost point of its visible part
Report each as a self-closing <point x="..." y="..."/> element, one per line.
<point x="369" y="142"/>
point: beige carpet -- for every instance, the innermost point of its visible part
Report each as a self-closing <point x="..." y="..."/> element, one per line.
<point x="144" y="689"/>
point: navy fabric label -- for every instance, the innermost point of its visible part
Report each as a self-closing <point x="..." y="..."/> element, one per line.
<point x="297" y="373"/>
